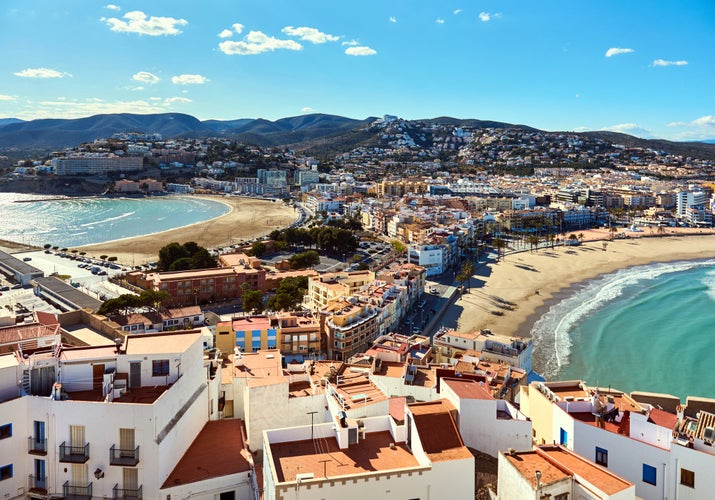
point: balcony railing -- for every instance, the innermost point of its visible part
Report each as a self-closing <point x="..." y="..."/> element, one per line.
<point x="37" y="446"/>
<point x="37" y="484"/>
<point x="73" y="492"/>
<point x="125" y="458"/>
<point x="125" y="494"/>
<point x="74" y="454"/>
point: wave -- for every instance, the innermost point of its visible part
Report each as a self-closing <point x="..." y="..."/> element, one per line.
<point x="709" y="282"/>
<point x="551" y="332"/>
<point x="108" y="219"/>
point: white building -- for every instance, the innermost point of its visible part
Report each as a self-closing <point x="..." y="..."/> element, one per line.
<point x="107" y="421"/>
<point x="431" y="257"/>
<point x="485" y="423"/>
<point x="416" y="454"/>
<point x="555" y="472"/>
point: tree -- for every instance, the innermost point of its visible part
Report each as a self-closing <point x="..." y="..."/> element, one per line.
<point x="112" y="259"/>
<point x="103" y="257"/>
<point x="580" y="237"/>
<point x="47" y="246"/>
<point x="573" y="239"/>
<point x="612" y="230"/>
<point x="252" y="299"/>
<point x="174" y="257"/>
<point x="500" y="245"/>
<point x="466" y="273"/>
<point x="304" y="260"/>
<point x="258" y="248"/>
<point x="533" y="241"/>
<point x="289" y="294"/>
<point x="552" y="239"/>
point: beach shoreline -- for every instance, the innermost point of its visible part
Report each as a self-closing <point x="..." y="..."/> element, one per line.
<point x="246" y="219"/>
<point x="509" y="296"/>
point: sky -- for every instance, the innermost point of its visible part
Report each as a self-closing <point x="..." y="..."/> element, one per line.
<point x="645" y="68"/>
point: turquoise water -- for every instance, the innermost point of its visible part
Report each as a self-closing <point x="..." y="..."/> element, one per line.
<point x="646" y="328"/>
<point x="74" y="222"/>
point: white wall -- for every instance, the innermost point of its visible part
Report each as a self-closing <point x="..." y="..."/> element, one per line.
<point x="702" y="464"/>
<point x="396" y="387"/>
<point x="239" y="483"/>
<point x="626" y="457"/>
<point x="511" y="485"/>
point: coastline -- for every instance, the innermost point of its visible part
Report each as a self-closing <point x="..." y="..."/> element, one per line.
<point x="521" y="287"/>
<point x="247" y="218"/>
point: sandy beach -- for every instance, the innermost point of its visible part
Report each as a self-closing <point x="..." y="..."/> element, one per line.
<point x="247" y="219"/>
<point x="508" y="297"/>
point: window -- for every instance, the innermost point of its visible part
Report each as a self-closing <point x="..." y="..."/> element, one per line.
<point x="5" y="472"/>
<point x="687" y="478"/>
<point x="5" y="431"/>
<point x="562" y="496"/>
<point x="159" y="367"/>
<point x="563" y="436"/>
<point x="649" y="474"/>
<point x="601" y="456"/>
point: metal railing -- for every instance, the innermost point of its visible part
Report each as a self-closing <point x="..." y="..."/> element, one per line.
<point x="74" y="492"/>
<point x="126" y="494"/>
<point x="37" y="445"/>
<point x="36" y="483"/>
<point x="74" y="454"/>
<point x="118" y="456"/>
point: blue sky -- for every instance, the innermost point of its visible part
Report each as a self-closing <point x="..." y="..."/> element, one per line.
<point x="642" y="67"/>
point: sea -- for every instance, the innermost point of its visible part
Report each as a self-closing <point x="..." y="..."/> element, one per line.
<point x="644" y="328"/>
<point x="70" y="222"/>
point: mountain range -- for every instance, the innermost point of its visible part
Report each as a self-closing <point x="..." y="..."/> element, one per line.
<point x="329" y="133"/>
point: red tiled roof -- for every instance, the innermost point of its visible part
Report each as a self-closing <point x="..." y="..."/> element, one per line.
<point x="217" y="451"/>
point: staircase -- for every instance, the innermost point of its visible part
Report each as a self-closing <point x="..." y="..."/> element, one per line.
<point x="26" y="381"/>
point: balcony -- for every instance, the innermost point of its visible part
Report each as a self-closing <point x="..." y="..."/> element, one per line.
<point x="125" y="494"/>
<point x="36" y="446"/>
<point x="73" y="492"/>
<point x="37" y="485"/>
<point x="74" y="454"/>
<point x="123" y="457"/>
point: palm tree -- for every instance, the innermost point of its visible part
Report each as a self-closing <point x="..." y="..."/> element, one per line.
<point x="533" y="240"/>
<point x="573" y="239"/>
<point x="499" y="244"/>
<point x="660" y="230"/>
<point x="580" y="237"/>
<point x="613" y="230"/>
<point x="552" y="239"/>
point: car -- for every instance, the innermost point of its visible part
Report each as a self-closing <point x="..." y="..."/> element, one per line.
<point x="102" y="273"/>
<point x="27" y="259"/>
<point x="15" y="287"/>
<point x="4" y="288"/>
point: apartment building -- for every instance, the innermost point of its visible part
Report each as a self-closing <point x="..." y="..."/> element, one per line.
<point x="202" y="285"/>
<point x="350" y="328"/>
<point x="330" y="286"/>
<point x="96" y="164"/>
<point x="103" y="422"/>
<point x="513" y="351"/>
<point x="664" y="454"/>
<point x="556" y="472"/>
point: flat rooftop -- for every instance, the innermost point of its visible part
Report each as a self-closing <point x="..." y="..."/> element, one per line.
<point x="137" y="395"/>
<point x="438" y="432"/>
<point x="324" y="458"/>
<point x="217" y="451"/>
<point x="161" y="343"/>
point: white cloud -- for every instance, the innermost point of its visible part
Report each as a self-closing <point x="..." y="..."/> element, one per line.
<point x="486" y="16"/>
<point x="172" y="100"/>
<point x="6" y="97"/>
<point x="360" y="51"/>
<point x="155" y="98"/>
<point x="703" y="121"/>
<point x="631" y="129"/>
<point x="41" y="73"/>
<point x="257" y="42"/>
<point x="310" y="34"/>
<point x="189" y="79"/>
<point x="225" y="34"/>
<point x="306" y="110"/>
<point x="111" y="6"/>
<point x="663" y="62"/>
<point x="138" y="22"/>
<point x="145" y="77"/>
<point x="238" y="27"/>
<point x="351" y="43"/>
<point x="393" y="19"/>
<point x="439" y="20"/>
<point x="457" y="11"/>
<point x="614" y="51"/>
<point x="78" y="108"/>
<point x="140" y="87"/>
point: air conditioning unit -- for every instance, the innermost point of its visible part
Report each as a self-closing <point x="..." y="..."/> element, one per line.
<point x="709" y="435"/>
